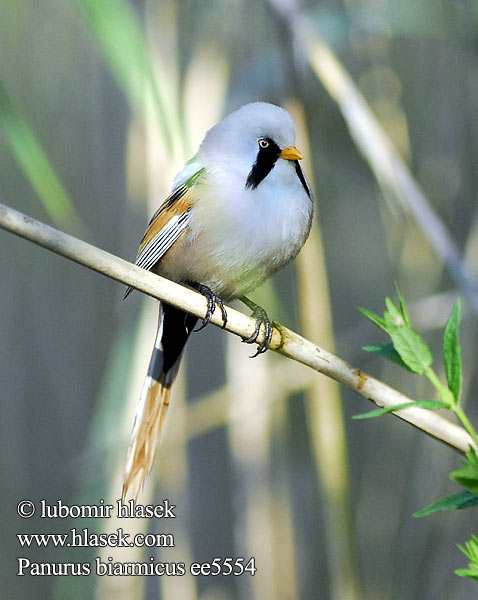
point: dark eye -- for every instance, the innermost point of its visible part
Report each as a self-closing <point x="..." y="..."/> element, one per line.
<point x="263" y="143"/>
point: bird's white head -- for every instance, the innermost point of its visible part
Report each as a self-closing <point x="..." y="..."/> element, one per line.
<point x="250" y="141"/>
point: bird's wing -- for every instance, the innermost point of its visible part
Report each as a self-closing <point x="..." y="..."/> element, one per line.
<point x="164" y="228"/>
<point x="166" y="225"/>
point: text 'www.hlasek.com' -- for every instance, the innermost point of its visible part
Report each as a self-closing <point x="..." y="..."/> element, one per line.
<point x="85" y="537"/>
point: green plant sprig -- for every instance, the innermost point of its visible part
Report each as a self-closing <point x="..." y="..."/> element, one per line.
<point x="410" y="351"/>
<point x="471" y="551"/>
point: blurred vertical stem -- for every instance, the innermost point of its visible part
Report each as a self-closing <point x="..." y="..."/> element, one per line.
<point x="324" y="407"/>
<point x="249" y="438"/>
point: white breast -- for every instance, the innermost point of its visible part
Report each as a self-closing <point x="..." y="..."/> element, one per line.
<point x="241" y="236"/>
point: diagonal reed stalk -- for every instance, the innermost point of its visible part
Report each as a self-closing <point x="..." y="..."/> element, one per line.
<point x="284" y="341"/>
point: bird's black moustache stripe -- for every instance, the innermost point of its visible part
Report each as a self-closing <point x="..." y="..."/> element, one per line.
<point x="265" y="162"/>
<point x="303" y="181"/>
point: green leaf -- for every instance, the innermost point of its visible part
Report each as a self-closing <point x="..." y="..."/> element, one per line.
<point x="452" y="352"/>
<point x="29" y="154"/>
<point x="393" y="317"/>
<point x="471" y="572"/>
<point x="387" y="351"/>
<point x="430" y="404"/>
<point x="463" y="499"/>
<point x="467" y="476"/>
<point x="374" y="318"/>
<point x="412" y="349"/>
<point x="410" y="346"/>
<point x="471" y="551"/>
<point x="403" y="307"/>
<point x="382" y="411"/>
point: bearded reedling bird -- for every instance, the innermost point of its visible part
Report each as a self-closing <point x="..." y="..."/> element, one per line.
<point x="237" y="212"/>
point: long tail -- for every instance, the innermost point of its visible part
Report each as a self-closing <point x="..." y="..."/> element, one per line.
<point x="174" y="328"/>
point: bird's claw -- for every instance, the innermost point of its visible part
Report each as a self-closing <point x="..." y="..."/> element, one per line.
<point x="212" y="300"/>
<point x="261" y="319"/>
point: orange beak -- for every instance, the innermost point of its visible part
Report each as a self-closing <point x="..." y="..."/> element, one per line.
<point x="291" y="153"/>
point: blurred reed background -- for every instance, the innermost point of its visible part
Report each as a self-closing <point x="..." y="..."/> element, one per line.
<point x="101" y="102"/>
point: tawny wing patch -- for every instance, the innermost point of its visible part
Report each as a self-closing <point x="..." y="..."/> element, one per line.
<point x="176" y="205"/>
<point x="166" y="225"/>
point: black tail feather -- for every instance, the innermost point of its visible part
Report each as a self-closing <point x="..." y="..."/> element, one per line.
<point x="176" y="326"/>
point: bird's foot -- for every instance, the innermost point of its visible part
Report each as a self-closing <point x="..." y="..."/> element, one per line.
<point x="212" y="300"/>
<point x="261" y="317"/>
